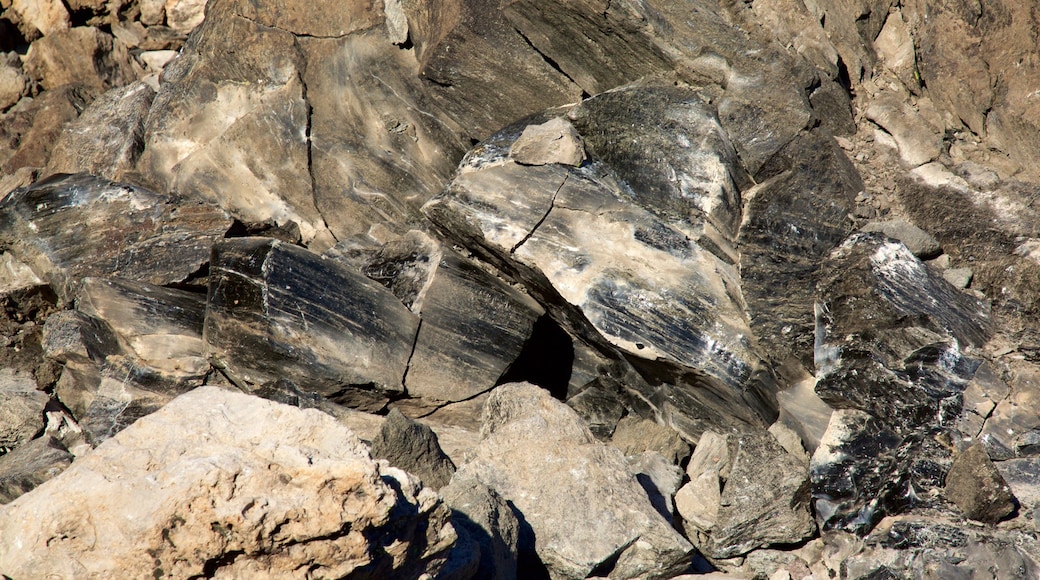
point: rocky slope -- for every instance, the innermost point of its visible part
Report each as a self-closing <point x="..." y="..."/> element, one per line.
<point x="519" y="289"/>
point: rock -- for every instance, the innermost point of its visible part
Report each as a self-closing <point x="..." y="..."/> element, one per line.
<point x="12" y="83"/>
<point x="538" y="455"/>
<point x="958" y="277"/>
<point x="69" y="227"/>
<point x="895" y="48"/>
<point x="82" y="344"/>
<point x="490" y="521"/>
<point x="15" y="275"/>
<point x="802" y="410"/>
<point x="232" y="501"/>
<point x="152" y="11"/>
<point x="21" y="409"/>
<point x="107" y="138"/>
<point x="601" y="410"/>
<point x="660" y="479"/>
<point x="275" y="308"/>
<point x="978" y="489"/>
<point x="1011" y="428"/>
<point x="413" y="447"/>
<point x="38" y="18"/>
<point x="918" y="143"/>
<point x="81" y="55"/>
<point x="634" y="436"/>
<point x="28" y="134"/>
<point x="789" y="440"/>
<point x="554" y="141"/>
<point x="920" y="243"/>
<point x="184" y="15"/>
<point x="29" y="465"/>
<point x="156" y="60"/>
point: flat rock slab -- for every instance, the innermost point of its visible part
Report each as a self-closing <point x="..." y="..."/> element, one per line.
<point x="69" y="227"/>
<point x="276" y="309"/>
<point x="227" y="484"/>
<point x="583" y="504"/>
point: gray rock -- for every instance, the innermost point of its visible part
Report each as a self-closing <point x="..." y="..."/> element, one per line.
<point x="959" y="277"/>
<point x="1011" y="428"/>
<point x="108" y="137"/>
<point x="918" y="142"/>
<point x="660" y="479"/>
<point x="635" y="435"/>
<point x="275" y="308"/>
<point x="978" y="489"/>
<point x="490" y="522"/>
<point x="538" y="455"/>
<point x="21" y="409"/>
<point x="29" y="465"/>
<point x="69" y="227"/>
<point x="919" y="242"/>
<point x="414" y="448"/>
<point x="555" y="141"/>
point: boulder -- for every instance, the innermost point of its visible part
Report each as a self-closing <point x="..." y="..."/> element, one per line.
<point x="37" y="18"/>
<point x="537" y="454"/>
<point x="12" y="82"/>
<point x="277" y="309"/>
<point x="227" y="484"/>
<point x="413" y="447"/>
<point x="555" y="141"/>
<point x="69" y="227"/>
<point x="29" y="465"/>
<point x="919" y="242"/>
<point x="28" y="133"/>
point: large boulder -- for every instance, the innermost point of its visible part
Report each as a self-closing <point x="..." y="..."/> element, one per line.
<point x="586" y="510"/>
<point x="221" y="483"/>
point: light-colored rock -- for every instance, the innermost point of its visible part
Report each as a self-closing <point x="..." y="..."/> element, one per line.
<point x="959" y="277"/>
<point x="635" y="435"/>
<point x="577" y="494"/>
<point x="184" y="15"/>
<point x="15" y="275"/>
<point x="37" y="124"/>
<point x="977" y="488"/>
<point x="895" y="47"/>
<point x="40" y="17"/>
<point x="789" y="440"/>
<point x="12" y="84"/>
<point x="82" y="55"/>
<point x="936" y="175"/>
<point x="917" y="141"/>
<point x="919" y="242"/>
<point x="152" y="11"/>
<point x="224" y="483"/>
<point x="698" y="502"/>
<point x="803" y="411"/>
<point x="156" y="60"/>
<point x="21" y="409"/>
<point x="555" y="141"/>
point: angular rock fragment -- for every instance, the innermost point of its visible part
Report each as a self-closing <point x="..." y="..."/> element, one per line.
<point x="978" y="489"/>
<point x="1012" y="428"/>
<point x="413" y="447"/>
<point x="634" y="436"/>
<point x="82" y="55"/>
<point x="276" y="310"/>
<point x="12" y="82"/>
<point x="489" y="520"/>
<point x="21" y="409"/>
<point x="919" y="242"/>
<point x="69" y="227"/>
<point x="29" y="465"/>
<point x="27" y="135"/>
<point x="224" y="483"/>
<point x="554" y="141"/>
<point x="538" y="455"/>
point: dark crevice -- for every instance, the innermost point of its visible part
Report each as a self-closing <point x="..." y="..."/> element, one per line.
<point x="209" y="569"/>
<point x="408" y="365"/>
<point x="546" y="360"/>
<point x="552" y="203"/>
<point x="843" y="77"/>
<point x="552" y="63"/>
<point x="196" y="282"/>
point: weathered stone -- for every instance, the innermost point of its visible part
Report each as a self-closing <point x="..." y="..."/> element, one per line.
<point x="918" y="142"/>
<point x="29" y="465"/>
<point x="554" y="141"/>
<point x="634" y="436"/>
<point x="789" y="440"/>
<point x="184" y="15"/>
<point x="39" y="17"/>
<point x="537" y="454"/>
<point x="28" y="134"/>
<point x="152" y="11"/>
<point x="277" y="309"/>
<point x="81" y="55"/>
<point x="414" y="448"/>
<point x="919" y="242"/>
<point x="70" y="227"/>
<point x="15" y="275"/>
<point x="12" y="82"/>
<point x="804" y="411"/>
<point x="958" y="277"/>
<point x="1012" y="429"/>
<point x="224" y="483"/>
<point x="21" y="409"/>
<point x="108" y="136"/>
<point x="601" y="410"/>
<point x="895" y="48"/>
<point x="660" y="479"/>
<point x="489" y="521"/>
<point x="978" y="489"/>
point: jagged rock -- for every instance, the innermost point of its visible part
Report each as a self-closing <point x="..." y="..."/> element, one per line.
<point x="978" y="489"/>
<point x="537" y="453"/>
<point x="918" y="143"/>
<point x="1011" y="428"/>
<point x="21" y="409"/>
<point x="601" y="410"/>
<point x="919" y="242"/>
<point x="184" y="15"/>
<point x="765" y="500"/>
<point x="489" y="520"/>
<point x="414" y="448"/>
<point x="228" y="484"/>
<point x="554" y="141"/>
<point x="12" y="81"/>
<point x="38" y="17"/>
<point x="981" y="396"/>
<point x="277" y="309"/>
<point x="958" y="277"/>
<point x="82" y="344"/>
<point x="108" y="136"/>
<point x="804" y="411"/>
<point x="29" y="133"/>
<point x="29" y="465"/>
<point x="660" y="479"/>
<point x="82" y="55"/>
<point x="70" y="227"/>
<point x="15" y="275"/>
<point x="634" y="436"/>
<point x="895" y="48"/>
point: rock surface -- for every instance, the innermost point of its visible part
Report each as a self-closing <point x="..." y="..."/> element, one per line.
<point x="161" y="499"/>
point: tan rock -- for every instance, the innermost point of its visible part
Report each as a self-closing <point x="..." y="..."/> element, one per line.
<point x="84" y="55"/>
<point x="184" y="15"/>
<point x="12" y="85"/>
<point x="40" y="16"/>
<point x="220" y="483"/>
<point x="555" y="141"/>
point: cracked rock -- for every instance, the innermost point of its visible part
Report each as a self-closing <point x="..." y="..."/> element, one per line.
<point x="219" y="483"/>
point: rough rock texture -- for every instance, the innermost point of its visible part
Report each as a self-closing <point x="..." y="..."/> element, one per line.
<point x="489" y="520"/>
<point x="978" y="489"/>
<point x="414" y="448"/>
<point x="31" y="464"/>
<point x="82" y="55"/>
<point x="539" y="456"/>
<point x="161" y="499"/>
<point x="21" y="409"/>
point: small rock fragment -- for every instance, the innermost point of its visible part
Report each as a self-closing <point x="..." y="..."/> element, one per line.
<point x="555" y="141"/>
<point x="413" y="447"/>
<point x="920" y="243"/>
<point x="978" y="489"/>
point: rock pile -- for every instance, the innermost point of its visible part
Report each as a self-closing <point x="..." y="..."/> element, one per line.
<point x="518" y="290"/>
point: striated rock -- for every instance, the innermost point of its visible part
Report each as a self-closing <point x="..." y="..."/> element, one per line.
<point x="82" y="55"/>
<point x="277" y="309"/>
<point x="414" y="448"/>
<point x="21" y="409"/>
<point x="538" y="455"/>
<point x="70" y="227"/>
<point x="490" y="521"/>
<point x="919" y="242"/>
<point x="202" y="488"/>
<point x="108" y="136"/>
<point x="29" y="465"/>
<point x="978" y="489"/>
